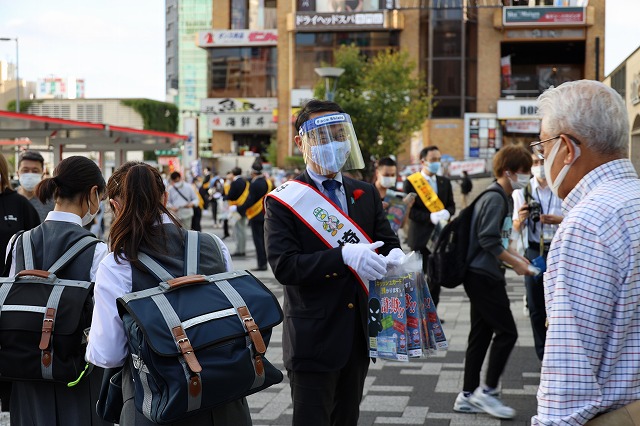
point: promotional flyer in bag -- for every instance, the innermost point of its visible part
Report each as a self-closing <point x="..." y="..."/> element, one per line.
<point x="403" y="321"/>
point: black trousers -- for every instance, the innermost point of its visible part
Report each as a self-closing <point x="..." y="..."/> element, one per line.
<point x="491" y="318"/>
<point x="195" y="220"/>
<point x="433" y="289"/>
<point x="257" y="232"/>
<point x="331" y="398"/>
<point x="535" y="303"/>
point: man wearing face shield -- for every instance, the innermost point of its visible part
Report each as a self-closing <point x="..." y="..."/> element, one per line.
<point x="30" y="171"/>
<point x="326" y="236"/>
<point x="592" y="284"/>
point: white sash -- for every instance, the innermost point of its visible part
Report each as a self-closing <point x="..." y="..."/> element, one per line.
<point x="320" y="215"/>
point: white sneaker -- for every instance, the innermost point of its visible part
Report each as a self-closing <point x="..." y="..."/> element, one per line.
<point x="462" y="405"/>
<point x="490" y="404"/>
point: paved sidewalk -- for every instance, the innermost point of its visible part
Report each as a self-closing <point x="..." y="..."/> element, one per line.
<point x="420" y="392"/>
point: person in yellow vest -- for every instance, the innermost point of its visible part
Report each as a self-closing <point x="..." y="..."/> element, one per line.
<point x="254" y="211"/>
<point x="433" y="204"/>
<point x="236" y="195"/>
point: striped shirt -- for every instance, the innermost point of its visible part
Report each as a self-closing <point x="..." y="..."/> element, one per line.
<point x="592" y="292"/>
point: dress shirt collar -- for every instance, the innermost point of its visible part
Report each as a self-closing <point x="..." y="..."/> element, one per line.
<point x="613" y="170"/>
<point x="64" y="217"/>
<point x="318" y="179"/>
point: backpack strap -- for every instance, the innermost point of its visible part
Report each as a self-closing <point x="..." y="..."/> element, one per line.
<point x="154" y="267"/>
<point x="80" y="245"/>
<point x="192" y="254"/>
<point x="27" y="251"/>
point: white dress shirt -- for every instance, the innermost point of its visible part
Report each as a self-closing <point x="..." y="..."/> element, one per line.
<point x="99" y="253"/>
<point x="591" y="359"/>
<point x="107" y="341"/>
<point x="318" y="179"/>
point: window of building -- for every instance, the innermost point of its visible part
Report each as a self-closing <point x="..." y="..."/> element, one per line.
<point x="317" y="49"/>
<point x="530" y="68"/>
<point x="619" y="81"/>
<point x="239" y="14"/>
<point x="243" y="72"/>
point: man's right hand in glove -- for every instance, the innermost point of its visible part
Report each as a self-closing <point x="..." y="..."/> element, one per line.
<point x="364" y="260"/>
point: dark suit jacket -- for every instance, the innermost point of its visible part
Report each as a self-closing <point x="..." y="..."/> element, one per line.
<point x="321" y="295"/>
<point x="257" y="189"/>
<point x="420" y="226"/>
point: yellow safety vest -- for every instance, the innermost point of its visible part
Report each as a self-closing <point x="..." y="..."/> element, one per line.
<point x="426" y="193"/>
<point x="258" y="206"/>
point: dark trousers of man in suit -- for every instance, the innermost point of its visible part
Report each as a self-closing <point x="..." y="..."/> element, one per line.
<point x="331" y="398"/>
<point x="257" y="232"/>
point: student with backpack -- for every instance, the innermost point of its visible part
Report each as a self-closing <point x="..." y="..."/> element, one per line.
<point x="142" y="224"/>
<point x="485" y="285"/>
<point x="77" y="187"/>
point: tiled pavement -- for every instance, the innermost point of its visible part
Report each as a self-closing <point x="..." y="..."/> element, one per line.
<point x="421" y="391"/>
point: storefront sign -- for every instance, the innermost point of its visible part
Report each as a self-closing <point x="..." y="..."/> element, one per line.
<point x="235" y="105"/>
<point x="523" y="126"/>
<point x="225" y="38"/>
<point x="516" y="108"/>
<point x="561" y="16"/>
<point x="249" y="121"/>
<point x="482" y="135"/>
<point x="555" y="33"/>
<point x="473" y="167"/>
<point x="340" y="21"/>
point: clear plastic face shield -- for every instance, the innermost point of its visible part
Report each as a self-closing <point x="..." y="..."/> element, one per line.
<point x="329" y="144"/>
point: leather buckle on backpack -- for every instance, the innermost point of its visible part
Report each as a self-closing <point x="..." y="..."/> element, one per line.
<point x="47" y="328"/>
<point x="253" y="330"/>
<point x="186" y="349"/>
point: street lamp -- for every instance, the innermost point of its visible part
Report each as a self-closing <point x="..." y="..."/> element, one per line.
<point x="17" y="72"/>
<point x="330" y="75"/>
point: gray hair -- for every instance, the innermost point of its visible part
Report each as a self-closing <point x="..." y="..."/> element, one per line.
<point x="590" y="111"/>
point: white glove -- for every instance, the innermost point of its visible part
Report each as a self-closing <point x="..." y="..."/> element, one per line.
<point x="395" y="257"/>
<point x="233" y="208"/>
<point x="364" y="260"/>
<point x="437" y="217"/>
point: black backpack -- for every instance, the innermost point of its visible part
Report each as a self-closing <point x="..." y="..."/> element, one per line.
<point x="44" y="319"/>
<point x="448" y="262"/>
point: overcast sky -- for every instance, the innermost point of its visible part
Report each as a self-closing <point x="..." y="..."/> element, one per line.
<point x="117" y="46"/>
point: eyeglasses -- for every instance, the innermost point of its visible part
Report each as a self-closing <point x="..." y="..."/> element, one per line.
<point x="538" y="149"/>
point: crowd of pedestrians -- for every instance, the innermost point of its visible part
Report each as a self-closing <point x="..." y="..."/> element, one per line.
<point x="562" y="213"/>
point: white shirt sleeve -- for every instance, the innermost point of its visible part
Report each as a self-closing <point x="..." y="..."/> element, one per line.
<point x="107" y="342"/>
<point x="518" y="201"/>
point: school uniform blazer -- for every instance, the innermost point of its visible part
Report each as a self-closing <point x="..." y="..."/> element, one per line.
<point x="322" y="298"/>
<point x="420" y="225"/>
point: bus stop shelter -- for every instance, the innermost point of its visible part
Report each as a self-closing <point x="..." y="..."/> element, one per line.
<point x="60" y="136"/>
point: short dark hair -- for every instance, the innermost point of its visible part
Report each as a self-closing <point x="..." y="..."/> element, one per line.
<point x="32" y="156"/>
<point x="313" y="106"/>
<point x="236" y="171"/>
<point x="387" y="161"/>
<point x="427" y="150"/>
<point x="257" y="166"/>
<point x="511" y="158"/>
<point x="175" y="175"/>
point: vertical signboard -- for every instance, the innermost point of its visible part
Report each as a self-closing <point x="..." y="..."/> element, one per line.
<point x="190" y="148"/>
<point x="482" y="135"/>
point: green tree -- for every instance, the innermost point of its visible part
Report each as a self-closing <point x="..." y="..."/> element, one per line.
<point x="386" y="99"/>
<point x="24" y="105"/>
<point x="156" y="115"/>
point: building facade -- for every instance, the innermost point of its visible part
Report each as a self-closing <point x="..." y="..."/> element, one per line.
<point x="625" y="79"/>
<point x="485" y="60"/>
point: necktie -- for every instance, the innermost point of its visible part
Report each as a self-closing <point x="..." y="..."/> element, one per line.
<point x="331" y="186"/>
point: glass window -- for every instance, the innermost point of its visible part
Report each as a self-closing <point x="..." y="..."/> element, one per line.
<point x="239" y="15"/>
<point x="243" y="72"/>
<point x="446" y="77"/>
<point x="317" y="49"/>
<point x="447" y="39"/>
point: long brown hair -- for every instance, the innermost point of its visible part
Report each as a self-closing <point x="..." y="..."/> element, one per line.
<point x="4" y="174"/>
<point x="142" y="193"/>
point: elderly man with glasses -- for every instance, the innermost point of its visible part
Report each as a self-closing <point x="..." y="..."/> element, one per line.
<point x="592" y="284"/>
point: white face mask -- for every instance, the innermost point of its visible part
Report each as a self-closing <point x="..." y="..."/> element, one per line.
<point x="88" y="216"/>
<point x="331" y="156"/>
<point x="554" y="183"/>
<point x="29" y="181"/>
<point x="520" y="182"/>
<point x="387" y="181"/>
<point x="538" y="172"/>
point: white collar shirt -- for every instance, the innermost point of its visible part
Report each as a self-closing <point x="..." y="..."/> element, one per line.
<point x="107" y="341"/>
<point x="433" y="182"/>
<point x="592" y="294"/>
<point x="99" y="253"/>
<point x="318" y="179"/>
